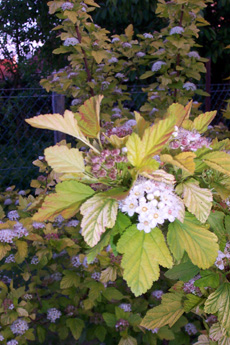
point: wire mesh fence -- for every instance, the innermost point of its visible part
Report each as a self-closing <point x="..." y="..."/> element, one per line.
<point x="20" y="144"/>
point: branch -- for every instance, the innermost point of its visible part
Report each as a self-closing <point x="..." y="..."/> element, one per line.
<point x="89" y="76"/>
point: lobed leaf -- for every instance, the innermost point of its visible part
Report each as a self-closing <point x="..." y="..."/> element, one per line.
<point x="143" y="253"/>
<point x="65" y="160"/>
<point x="219" y="161"/>
<point x="202" y="121"/>
<point x="184" y="160"/>
<point x="190" y="236"/>
<point x="167" y="313"/>
<point x="66" y="201"/>
<point x="198" y="200"/>
<point x="99" y="213"/>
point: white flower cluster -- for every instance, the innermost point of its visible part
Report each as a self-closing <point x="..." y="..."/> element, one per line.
<point x="113" y="60"/>
<point x="1" y="337"/>
<point x="67" y="6"/>
<point x="140" y="54"/>
<point x="13" y="215"/>
<point x="76" y="101"/>
<point x="189" y="86"/>
<point x="18" y="231"/>
<point x="7" y="202"/>
<point x="34" y="260"/>
<point x="38" y="225"/>
<point x="127" y="45"/>
<point x="157" y="66"/>
<point x="19" y="326"/>
<point x="223" y="258"/>
<point x="115" y="39"/>
<point x="11" y="306"/>
<point x="28" y="296"/>
<point x="71" y="41"/>
<point x="126" y="307"/>
<point x="146" y="35"/>
<point x="153" y="201"/>
<point x="12" y="342"/>
<point x="190" y="328"/>
<point x="188" y="140"/>
<point x="53" y="314"/>
<point x="75" y="261"/>
<point x="176" y="30"/>
<point x="10" y="259"/>
<point x="96" y="276"/>
<point x="193" y="54"/>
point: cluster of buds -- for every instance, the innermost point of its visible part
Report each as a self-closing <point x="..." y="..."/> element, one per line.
<point x="52" y="236"/>
<point x="105" y="164"/>
<point x="115" y="259"/>
<point x="190" y="328"/>
<point x="188" y="140"/>
<point x="97" y="319"/>
<point x="223" y="258"/>
<point x="121" y="325"/>
<point x="70" y="310"/>
<point x="157" y="294"/>
<point x="189" y="287"/>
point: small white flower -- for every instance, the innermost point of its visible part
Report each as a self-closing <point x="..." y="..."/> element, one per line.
<point x="1" y="337"/>
<point x="154" y="110"/>
<point x="119" y="75"/>
<point x="38" y="225"/>
<point x="75" y="261"/>
<point x="67" y="6"/>
<point x="140" y="54"/>
<point x="130" y="206"/>
<point x="189" y="86"/>
<point x="191" y="329"/>
<point x="19" y="326"/>
<point x="115" y="39"/>
<point x="96" y="276"/>
<point x="11" y="307"/>
<point x="76" y="101"/>
<point x="157" y="294"/>
<point x="53" y="314"/>
<point x="113" y="60"/>
<point x="9" y="189"/>
<point x="194" y="55"/>
<point x="124" y="149"/>
<point x="157" y="65"/>
<point x="176" y="30"/>
<point x="146" y="35"/>
<point x="73" y="222"/>
<point x="127" y="45"/>
<point x="71" y="41"/>
<point x="28" y="296"/>
<point x="21" y="192"/>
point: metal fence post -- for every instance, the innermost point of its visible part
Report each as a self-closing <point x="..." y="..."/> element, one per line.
<point x="58" y="107"/>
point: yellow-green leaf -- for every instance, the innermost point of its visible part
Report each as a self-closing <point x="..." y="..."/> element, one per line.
<point x="202" y="121"/>
<point x="66" y="201"/>
<point x="129" y="31"/>
<point x="219" y="302"/>
<point x="143" y="253"/>
<point x="117" y="142"/>
<point x="4" y="249"/>
<point x="56" y="122"/>
<point x="128" y="341"/>
<point x="54" y="5"/>
<point x="109" y="274"/>
<point x="99" y="213"/>
<point x="141" y="124"/>
<point x="65" y="160"/>
<point x="99" y="55"/>
<point x="76" y="326"/>
<point x="190" y="236"/>
<point x="22" y="248"/>
<point x="167" y="313"/>
<point x="219" y="161"/>
<point x="184" y="160"/>
<point x="88" y="117"/>
<point x="202" y="340"/>
<point x="178" y="111"/>
<point x="198" y="200"/>
<point x="141" y="151"/>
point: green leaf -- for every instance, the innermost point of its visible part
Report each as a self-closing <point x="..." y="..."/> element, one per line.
<point x="219" y="302"/>
<point x="98" y="213"/>
<point x="65" y="160"/>
<point x="100" y="333"/>
<point x="122" y="223"/>
<point x="208" y="279"/>
<point x="216" y="222"/>
<point x="202" y="121"/>
<point x="147" y="75"/>
<point x="4" y="249"/>
<point x="66" y="201"/>
<point x="141" y="151"/>
<point x="165" y="333"/>
<point x="22" y="251"/>
<point x="66" y="124"/>
<point x="191" y="302"/>
<point x="70" y="279"/>
<point x="41" y="333"/>
<point x="143" y="253"/>
<point x="88" y="117"/>
<point x="184" y="271"/>
<point x="184" y="160"/>
<point x="167" y="313"/>
<point x="109" y="274"/>
<point x="196" y="240"/>
<point x="219" y="161"/>
<point x="112" y="293"/>
<point x="76" y="326"/>
<point x="198" y="200"/>
<point x="128" y="341"/>
<point x="110" y="319"/>
<point x="92" y="253"/>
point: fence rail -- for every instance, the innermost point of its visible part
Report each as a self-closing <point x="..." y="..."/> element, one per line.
<point x="20" y="144"/>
